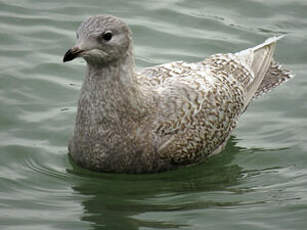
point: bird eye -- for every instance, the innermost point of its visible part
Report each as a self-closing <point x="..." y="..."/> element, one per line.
<point x="107" y="36"/>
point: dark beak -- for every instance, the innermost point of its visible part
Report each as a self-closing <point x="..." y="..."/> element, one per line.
<point x="72" y="53"/>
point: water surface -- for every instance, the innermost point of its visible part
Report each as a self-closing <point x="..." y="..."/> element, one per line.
<point x="258" y="182"/>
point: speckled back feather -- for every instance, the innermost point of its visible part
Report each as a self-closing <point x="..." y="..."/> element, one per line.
<point x="198" y="104"/>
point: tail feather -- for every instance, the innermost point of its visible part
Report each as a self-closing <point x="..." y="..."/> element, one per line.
<point x="275" y="76"/>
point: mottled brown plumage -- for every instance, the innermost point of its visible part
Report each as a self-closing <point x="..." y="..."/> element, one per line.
<point x="164" y="116"/>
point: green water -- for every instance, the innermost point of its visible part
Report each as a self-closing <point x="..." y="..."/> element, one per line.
<point x="258" y="182"/>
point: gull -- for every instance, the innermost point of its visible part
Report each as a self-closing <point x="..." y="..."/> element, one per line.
<point x="165" y="116"/>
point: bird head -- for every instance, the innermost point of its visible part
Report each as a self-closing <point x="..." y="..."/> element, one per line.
<point x="101" y="39"/>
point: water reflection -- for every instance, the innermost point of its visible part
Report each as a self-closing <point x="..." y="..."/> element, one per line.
<point x="115" y="200"/>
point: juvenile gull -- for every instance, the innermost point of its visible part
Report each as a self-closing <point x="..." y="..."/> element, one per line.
<point x="165" y="116"/>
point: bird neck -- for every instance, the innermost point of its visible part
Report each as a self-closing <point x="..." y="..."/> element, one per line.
<point x="112" y="91"/>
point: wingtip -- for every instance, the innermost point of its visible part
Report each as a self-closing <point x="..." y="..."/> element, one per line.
<point x="274" y="38"/>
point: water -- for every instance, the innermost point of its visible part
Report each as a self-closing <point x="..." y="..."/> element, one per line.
<point x="258" y="182"/>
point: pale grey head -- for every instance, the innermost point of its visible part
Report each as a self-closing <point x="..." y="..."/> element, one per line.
<point x="101" y="39"/>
